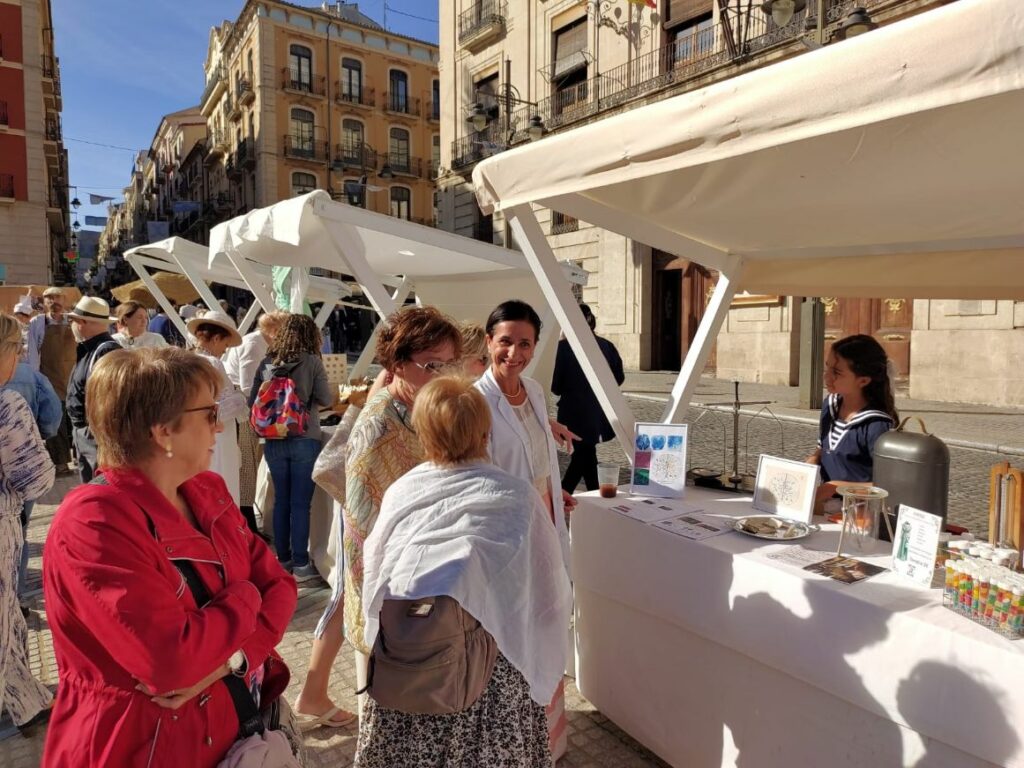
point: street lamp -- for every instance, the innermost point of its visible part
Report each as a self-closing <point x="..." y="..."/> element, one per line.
<point x="536" y="129"/>
<point x="480" y="117"/>
<point x="782" y="11"/>
<point x="857" y="22"/>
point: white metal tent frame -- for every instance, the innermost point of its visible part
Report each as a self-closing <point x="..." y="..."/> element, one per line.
<point x="175" y="254"/>
<point x="886" y="165"/>
<point x="378" y="251"/>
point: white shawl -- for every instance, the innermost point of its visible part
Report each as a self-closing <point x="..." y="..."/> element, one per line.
<point x="484" y="538"/>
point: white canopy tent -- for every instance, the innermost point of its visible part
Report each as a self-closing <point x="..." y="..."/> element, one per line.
<point x="890" y="164"/>
<point x="175" y="254"/>
<point x="466" y="278"/>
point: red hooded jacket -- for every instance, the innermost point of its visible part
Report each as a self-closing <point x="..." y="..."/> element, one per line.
<point x="121" y="613"/>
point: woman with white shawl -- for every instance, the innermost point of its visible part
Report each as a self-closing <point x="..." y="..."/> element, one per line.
<point x="459" y="526"/>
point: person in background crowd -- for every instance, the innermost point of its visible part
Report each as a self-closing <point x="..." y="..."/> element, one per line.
<point x="48" y="414"/>
<point x="23" y="312"/>
<point x="90" y="320"/>
<point x="163" y="325"/>
<point x="445" y="528"/>
<point x="240" y="364"/>
<point x="26" y="473"/>
<point x="295" y="354"/>
<point x="475" y="357"/>
<point x="214" y="333"/>
<point x="144" y="665"/>
<point x="51" y="351"/>
<point x="187" y="311"/>
<point x="413" y="346"/>
<point x="578" y="408"/>
<point x="520" y="439"/>
<point x="860" y="408"/>
<point x="131" y="327"/>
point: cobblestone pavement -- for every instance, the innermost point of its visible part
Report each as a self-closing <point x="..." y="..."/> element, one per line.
<point x="593" y="739"/>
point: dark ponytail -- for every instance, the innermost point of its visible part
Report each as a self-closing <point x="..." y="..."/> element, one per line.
<point x="866" y="357"/>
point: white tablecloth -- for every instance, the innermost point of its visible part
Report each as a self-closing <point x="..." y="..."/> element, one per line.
<point x="711" y="654"/>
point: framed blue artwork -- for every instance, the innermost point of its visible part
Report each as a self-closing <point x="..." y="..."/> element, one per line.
<point x="659" y="460"/>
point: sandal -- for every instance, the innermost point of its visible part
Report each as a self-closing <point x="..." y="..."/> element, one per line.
<point x="312" y="722"/>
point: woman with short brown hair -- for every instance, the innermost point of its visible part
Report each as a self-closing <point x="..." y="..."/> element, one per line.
<point x="460" y="527"/>
<point x="146" y="660"/>
<point x="132" y="321"/>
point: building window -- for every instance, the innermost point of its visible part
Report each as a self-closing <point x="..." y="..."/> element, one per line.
<point x="300" y="65"/>
<point x="485" y="91"/>
<point x="435" y="100"/>
<point x="302" y="129"/>
<point x="351" y="80"/>
<point x="352" y="141"/>
<point x="435" y="155"/>
<point x="248" y="68"/>
<point x="569" y="69"/>
<point x="691" y="40"/>
<point x="398" y="150"/>
<point x="303" y="183"/>
<point x="560" y="223"/>
<point x="401" y="202"/>
<point x="398" y="91"/>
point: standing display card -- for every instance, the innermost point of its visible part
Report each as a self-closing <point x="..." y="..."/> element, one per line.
<point x="786" y="488"/>
<point x="659" y="460"/>
<point x="915" y="544"/>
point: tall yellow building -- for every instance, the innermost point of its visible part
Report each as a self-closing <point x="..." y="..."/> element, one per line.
<point x="301" y="98"/>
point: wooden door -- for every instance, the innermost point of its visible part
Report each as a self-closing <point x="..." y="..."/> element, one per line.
<point x="681" y="290"/>
<point x="888" y="320"/>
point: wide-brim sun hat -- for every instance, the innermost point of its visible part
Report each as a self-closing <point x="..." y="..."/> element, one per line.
<point x="219" y="319"/>
<point x="92" y="308"/>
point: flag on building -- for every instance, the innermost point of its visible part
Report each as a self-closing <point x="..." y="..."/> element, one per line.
<point x="98" y="199"/>
<point x="95" y="221"/>
<point x="183" y="207"/>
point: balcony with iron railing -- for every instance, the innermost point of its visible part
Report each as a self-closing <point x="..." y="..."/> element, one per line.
<point x="356" y="154"/>
<point x="363" y="96"/>
<point x="400" y="103"/>
<point x="402" y="163"/>
<point x="51" y="76"/>
<point x="562" y="223"/>
<point x="305" y="148"/>
<point x="216" y="146"/>
<point x="683" y="62"/>
<point x="6" y="186"/>
<point x="434" y="110"/>
<point x="307" y="85"/>
<point x="245" y="154"/>
<point x="481" y="23"/>
<point x="244" y="93"/>
<point x="434" y="170"/>
<point x="216" y="80"/>
<point x="232" y="108"/>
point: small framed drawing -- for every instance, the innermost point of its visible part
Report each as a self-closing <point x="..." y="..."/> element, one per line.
<point x="786" y="488"/>
<point x="659" y="460"/>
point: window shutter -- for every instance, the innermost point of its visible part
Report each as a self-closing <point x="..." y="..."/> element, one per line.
<point x="680" y="11"/>
<point x="570" y="45"/>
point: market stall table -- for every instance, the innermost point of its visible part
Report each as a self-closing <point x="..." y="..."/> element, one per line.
<point x="712" y="653"/>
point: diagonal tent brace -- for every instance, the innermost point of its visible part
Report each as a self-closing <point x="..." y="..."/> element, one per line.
<point x="250" y="318"/>
<point x="161" y="299"/>
<point x="362" y="365"/>
<point x="555" y="288"/>
<point x="252" y="281"/>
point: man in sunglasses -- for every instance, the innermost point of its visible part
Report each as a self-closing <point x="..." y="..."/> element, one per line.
<point x="90" y="322"/>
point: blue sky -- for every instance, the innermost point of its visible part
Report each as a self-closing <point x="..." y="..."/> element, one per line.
<point x="126" y="63"/>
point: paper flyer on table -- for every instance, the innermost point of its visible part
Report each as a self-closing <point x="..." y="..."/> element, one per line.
<point x="796" y="556"/>
<point x="650" y="510"/>
<point x="694" y="525"/>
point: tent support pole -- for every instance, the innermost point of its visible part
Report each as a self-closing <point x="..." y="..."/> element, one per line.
<point x="558" y="294"/>
<point x="252" y="281"/>
<point x="323" y="314"/>
<point x="250" y="318"/>
<point x="199" y="284"/>
<point x="353" y="259"/>
<point x="370" y="350"/>
<point x="548" y="324"/>
<point x="162" y="300"/>
<point x="700" y="349"/>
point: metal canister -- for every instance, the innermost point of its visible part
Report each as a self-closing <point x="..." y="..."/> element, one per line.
<point x="914" y="468"/>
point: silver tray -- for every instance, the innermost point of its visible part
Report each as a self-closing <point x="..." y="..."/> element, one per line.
<point x="786" y="529"/>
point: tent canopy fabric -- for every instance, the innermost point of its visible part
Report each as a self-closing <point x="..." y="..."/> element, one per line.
<point x="886" y="165"/>
<point x="304" y="232"/>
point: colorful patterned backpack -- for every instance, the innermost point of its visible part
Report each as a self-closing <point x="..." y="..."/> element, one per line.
<point x="277" y="412"/>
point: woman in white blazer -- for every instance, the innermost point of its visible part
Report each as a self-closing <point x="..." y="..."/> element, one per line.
<point x="520" y="440"/>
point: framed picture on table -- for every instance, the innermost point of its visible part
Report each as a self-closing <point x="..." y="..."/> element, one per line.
<point x="786" y="488"/>
<point x="659" y="460"/>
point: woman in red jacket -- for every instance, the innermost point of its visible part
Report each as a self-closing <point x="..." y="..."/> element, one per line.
<point x="144" y="670"/>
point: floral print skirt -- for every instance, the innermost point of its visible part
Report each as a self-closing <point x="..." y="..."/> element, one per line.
<point x="505" y="728"/>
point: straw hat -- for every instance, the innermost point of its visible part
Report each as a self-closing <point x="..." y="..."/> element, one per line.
<point x="219" y="319"/>
<point x="92" y="308"/>
<point x="24" y="306"/>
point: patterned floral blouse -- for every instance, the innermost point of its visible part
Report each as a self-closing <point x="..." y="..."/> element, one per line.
<point x="381" y="448"/>
<point x="26" y="472"/>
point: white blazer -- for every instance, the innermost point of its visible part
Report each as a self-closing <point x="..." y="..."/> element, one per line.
<point x="509" y="446"/>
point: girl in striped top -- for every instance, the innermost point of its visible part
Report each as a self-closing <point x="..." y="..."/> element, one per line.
<point x="858" y="409"/>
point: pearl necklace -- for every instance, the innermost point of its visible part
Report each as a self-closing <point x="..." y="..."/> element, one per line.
<point x="517" y="393"/>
